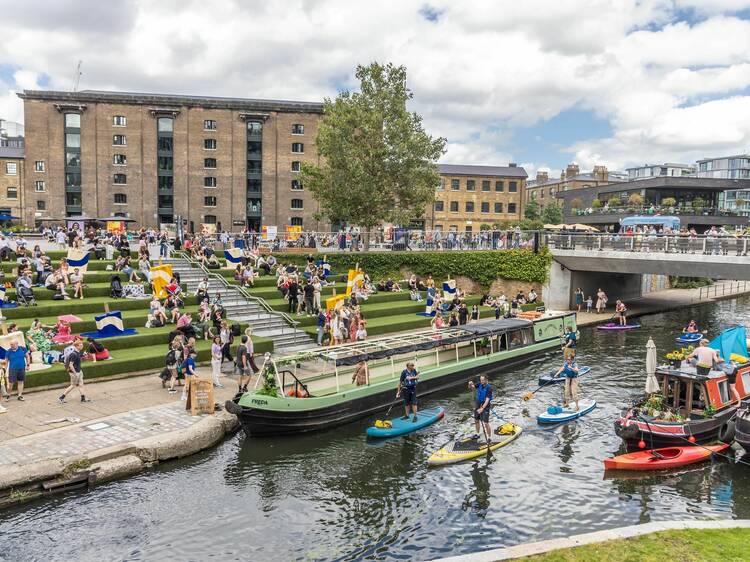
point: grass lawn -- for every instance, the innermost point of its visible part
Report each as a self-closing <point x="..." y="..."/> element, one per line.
<point x="685" y="545"/>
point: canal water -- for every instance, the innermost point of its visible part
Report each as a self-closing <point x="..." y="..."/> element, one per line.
<point x="334" y="496"/>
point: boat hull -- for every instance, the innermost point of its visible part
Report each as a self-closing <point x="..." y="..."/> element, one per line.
<point x="658" y="434"/>
<point x="671" y="457"/>
<point x="742" y="430"/>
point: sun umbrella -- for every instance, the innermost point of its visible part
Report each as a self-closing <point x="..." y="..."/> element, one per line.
<point x="652" y="385"/>
<point x="69" y="318"/>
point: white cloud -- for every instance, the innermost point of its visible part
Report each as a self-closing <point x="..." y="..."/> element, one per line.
<point x="669" y="88"/>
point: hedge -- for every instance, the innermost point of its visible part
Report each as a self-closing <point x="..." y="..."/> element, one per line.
<point x="483" y="266"/>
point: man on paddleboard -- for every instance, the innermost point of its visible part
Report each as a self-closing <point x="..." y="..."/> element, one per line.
<point x="407" y="388"/>
<point x="569" y="370"/>
<point x="482" y="409"/>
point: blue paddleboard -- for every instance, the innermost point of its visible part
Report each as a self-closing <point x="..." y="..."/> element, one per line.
<point x="425" y="417"/>
<point x="549" y="378"/>
<point x="689" y="338"/>
<point x="568" y="413"/>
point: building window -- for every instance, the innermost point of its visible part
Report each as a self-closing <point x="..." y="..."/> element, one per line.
<point x="209" y="162"/>
<point x="498" y="208"/>
<point x="72" y="121"/>
<point x="209" y="201"/>
<point x="296" y="221"/>
<point x="297" y="204"/>
<point x="298" y="147"/>
<point x="441" y="185"/>
<point x="209" y="144"/>
<point x="253" y="185"/>
<point x="439" y="206"/>
<point x="499" y="186"/>
<point x="39" y="166"/>
<point x="454" y="206"/>
<point x="209" y="181"/>
<point x="512" y="187"/>
<point x="455" y="185"/>
<point x="164" y="143"/>
<point x="298" y="129"/>
<point x="209" y="219"/>
<point x="12" y="193"/>
<point x="165" y="182"/>
<point x="117" y="140"/>
<point x="470" y="185"/>
<point x="511" y="208"/>
<point x="119" y="159"/>
<point x="470" y="206"/>
<point x="119" y="121"/>
<point x="39" y="186"/>
<point x="41" y="205"/>
<point x="11" y="168"/>
<point x="485" y="207"/>
<point x="209" y="125"/>
<point x="254" y="166"/>
<point x="165" y="125"/>
<point x="296" y="185"/>
<point x="121" y="199"/>
<point x="485" y="185"/>
<point x="296" y="166"/>
<point x="120" y="179"/>
<point x="165" y="163"/>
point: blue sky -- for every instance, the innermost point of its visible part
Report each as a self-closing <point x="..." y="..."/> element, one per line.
<point x="543" y="84"/>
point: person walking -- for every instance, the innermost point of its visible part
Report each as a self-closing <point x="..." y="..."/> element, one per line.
<point x="73" y="366"/>
<point x="226" y="339"/>
<point x="217" y="354"/>
<point x="579" y="299"/>
<point x="172" y="363"/>
<point x="474" y="314"/>
<point x="17" y="360"/>
<point x="407" y="390"/>
<point x="321" y="326"/>
<point x="463" y="314"/>
<point x="601" y="301"/>
<point x="188" y="367"/>
<point x="482" y="408"/>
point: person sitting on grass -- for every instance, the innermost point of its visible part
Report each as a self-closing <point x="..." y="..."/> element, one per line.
<point x="184" y="325"/>
<point x="172" y="308"/>
<point x="55" y="283"/>
<point x="238" y="273"/>
<point x="392" y="286"/>
<point x="96" y="351"/>
<point x="157" y="311"/>
<point x="414" y="295"/>
<point x="248" y="276"/>
<point x="76" y="279"/>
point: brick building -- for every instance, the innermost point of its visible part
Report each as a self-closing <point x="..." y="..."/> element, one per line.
<point x="469" y="196"/>
<point x="544" y="189"/>
<point x="151" y="157"/>
<point x="12" y="168"/>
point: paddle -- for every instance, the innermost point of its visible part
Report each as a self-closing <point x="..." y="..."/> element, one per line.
<point x="386" y="421"/>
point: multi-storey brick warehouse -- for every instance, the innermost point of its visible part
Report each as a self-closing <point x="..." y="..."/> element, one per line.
<point x="153" y="157"/>
<point x="470" y="196"/>
<point x="12" y="173"/>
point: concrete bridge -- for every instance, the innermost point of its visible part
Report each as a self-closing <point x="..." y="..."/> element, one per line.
<point x="618" y="264"/>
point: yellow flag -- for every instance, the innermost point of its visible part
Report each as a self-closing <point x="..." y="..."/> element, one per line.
<point x="160" y="277"/>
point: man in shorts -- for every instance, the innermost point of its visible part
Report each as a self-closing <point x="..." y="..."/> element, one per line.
<point x="407" y="389"/>
<point x="17" y="360"/>
<point x="482" y="409"/>
<point x="245" y="363"/>
<point x="73" y="366"/>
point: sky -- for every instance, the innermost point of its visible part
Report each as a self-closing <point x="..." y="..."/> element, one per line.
<point x="539" y="83"/>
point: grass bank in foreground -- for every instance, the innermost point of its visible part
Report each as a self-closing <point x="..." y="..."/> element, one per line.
<point x="687" y="545"/>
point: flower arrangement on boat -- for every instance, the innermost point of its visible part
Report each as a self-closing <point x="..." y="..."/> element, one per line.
<point x="677" y="356"/>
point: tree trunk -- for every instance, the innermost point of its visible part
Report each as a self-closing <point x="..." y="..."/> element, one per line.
<point x="366" y="237"/>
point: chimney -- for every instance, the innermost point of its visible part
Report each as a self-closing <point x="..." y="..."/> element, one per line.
<point x="511" y="164"/>
<point x="572" y="170"/>
<point x="542" y="177"/>
<point x="562" y="175"/>
<point x="601" y="173"/>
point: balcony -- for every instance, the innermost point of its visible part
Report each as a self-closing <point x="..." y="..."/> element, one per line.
<point x="688" y="215"/>
<point x="254" y="174"/>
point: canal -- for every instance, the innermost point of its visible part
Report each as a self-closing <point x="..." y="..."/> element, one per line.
<point x="334" y="496"/>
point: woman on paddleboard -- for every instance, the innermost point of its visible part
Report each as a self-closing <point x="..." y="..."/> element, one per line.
<point x="482" y="403"/>
<point x="622" y="312"/>
<point x="569" y="370"/>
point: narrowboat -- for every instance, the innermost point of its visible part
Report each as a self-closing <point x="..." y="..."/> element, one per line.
<point x="313" y="390"/>
<point x="690" y="408"/>
<point x="742" y="433"/>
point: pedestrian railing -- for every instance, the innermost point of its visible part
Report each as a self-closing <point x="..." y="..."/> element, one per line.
<point x="723" y="289"/>
<point x="708" y="244"/>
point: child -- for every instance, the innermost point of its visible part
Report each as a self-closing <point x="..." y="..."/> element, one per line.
<point x="589" y="304"/>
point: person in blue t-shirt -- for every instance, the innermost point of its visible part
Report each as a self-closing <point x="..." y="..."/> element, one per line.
<point x="482" y="405"/>
<point x="407" y="389"/>
<point x="570" y="341"/>
<point x="569" y="370"/>
<point x="17" y="361"/>
<point x="188" y="367"/>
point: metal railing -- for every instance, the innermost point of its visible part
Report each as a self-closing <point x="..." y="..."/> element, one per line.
<point x="706" y="244"/>
<point x="242" y="290"/>
<point x="722" y="289"/>
<point x="649" y="210"/>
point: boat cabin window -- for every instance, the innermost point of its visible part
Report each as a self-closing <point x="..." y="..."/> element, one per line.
<point x="502" y="342"/>
<point x="519" y="338"/>
<point x="699" y="397"/>
<point x="745" y="382"/>
<point x="723" y="391"/>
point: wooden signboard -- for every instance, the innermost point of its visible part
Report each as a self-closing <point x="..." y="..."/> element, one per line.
<point x="201" y="399"/>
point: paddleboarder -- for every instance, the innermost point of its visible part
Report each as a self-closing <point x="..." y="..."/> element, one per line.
<point x="482" y="409"/>
<point x="407" y="389"/>
<point x="570" y="341"/>
<point x="622" y="312"/>
<point x="569" y="370"/>
<point x="691" y="328"/>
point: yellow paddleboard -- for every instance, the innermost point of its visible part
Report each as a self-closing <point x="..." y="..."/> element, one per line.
<point x="464" y="449"/>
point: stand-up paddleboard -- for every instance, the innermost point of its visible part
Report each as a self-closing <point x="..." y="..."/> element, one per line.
<point x="612" y="327"/>
<point x="467" y="448"/>
<point x="550" y="378"/>
<point x="689" y="338"/>
<point x="552" y="415"/>
<point x="399" y="426"/>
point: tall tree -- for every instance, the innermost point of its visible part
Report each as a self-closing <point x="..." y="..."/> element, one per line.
<point x="531" y="210"/>
<point x="378" y="163"/>
<point x="552" y="213"/>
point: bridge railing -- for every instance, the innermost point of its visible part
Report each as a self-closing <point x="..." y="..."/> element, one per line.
<point x="661" y="243"/>
<point x="722" y="289"/>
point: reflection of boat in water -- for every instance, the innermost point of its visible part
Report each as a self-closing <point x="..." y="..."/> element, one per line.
<point x="443" y="359"/>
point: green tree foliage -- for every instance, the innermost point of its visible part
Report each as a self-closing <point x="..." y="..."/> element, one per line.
<point x="596" y="203"/>
<point x="552" y="214"/>
<point x="669" y="201"/>
<point x="635" y="199"/>
<point x="531" y="211"/>
<point x="378" y="163"/>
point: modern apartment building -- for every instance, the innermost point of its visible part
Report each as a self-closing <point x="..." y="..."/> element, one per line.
<point x="228" y="162"/>
<point x="12" y="168"/>
<point x="735" y="167"/>
<point x="470" y="196"/>
<point x="669" y="169"/>
<point x="544" y="189"/>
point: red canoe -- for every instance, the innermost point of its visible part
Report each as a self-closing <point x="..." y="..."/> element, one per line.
<point x="667" y="457"/>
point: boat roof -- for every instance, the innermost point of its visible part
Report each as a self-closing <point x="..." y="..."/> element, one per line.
<point x="690" y="373"/>
<point x="382" y="348"/>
